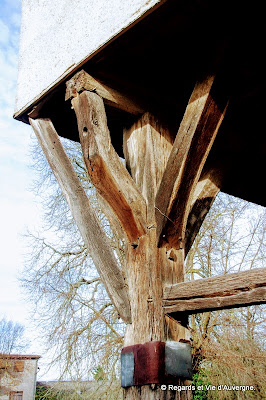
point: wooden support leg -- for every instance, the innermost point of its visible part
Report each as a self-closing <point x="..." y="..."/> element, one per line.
<point x="147" y="145"/>
<point x="85" y="218"/>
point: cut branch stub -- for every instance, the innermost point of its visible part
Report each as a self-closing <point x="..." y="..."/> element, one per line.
<point x="105" y="168"/>
<point x="193" y="142"/>
<point x="84" y="216"/>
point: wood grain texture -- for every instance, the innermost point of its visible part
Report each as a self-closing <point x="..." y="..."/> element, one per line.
<point x="84" y="216"/>
<point x="147" y="145"/>
<point x="192" y="306"/>
<point x="228" y="291"/>
<point x="83" y="81"/>
<point x="105" y="168"/>
<point x="193" y="142"/>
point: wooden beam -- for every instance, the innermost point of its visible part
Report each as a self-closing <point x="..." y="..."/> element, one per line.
<point x="105" y="168"/>
<point x="83" y="81"/>
<point x="198" y="129"/>
<point x="228" y="291"/>
<point x="84" y="216"/>
<point x="204" y="195"/>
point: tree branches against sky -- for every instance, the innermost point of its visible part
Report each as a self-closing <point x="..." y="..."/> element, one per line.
<point x="16" y="202"/>
<point x="18" y="208"/>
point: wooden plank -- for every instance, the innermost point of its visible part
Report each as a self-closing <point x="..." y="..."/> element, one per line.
<point x="105" y="168"/>
<point x="193" y="142"/>
<point x="192" y="306"/>
<point x="228" y="291"/>
<point x="204" y="195"/>
<point x="83" y="81"/>
<point x="84" y="216"/>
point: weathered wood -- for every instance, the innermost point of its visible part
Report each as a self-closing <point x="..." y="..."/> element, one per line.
<point x="193" y="142"/>
<point x="147" y="145"/>
<point x="228" y="291"/>
<point x="84" y="216"/>
<point x="105" y="168"/>
<point x="83" y="81"/>
<point x="204" y="195"/>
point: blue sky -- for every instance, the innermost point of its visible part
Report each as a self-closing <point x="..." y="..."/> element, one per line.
<point x="18" y="206"/>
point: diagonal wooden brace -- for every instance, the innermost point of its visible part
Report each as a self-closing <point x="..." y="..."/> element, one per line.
<point x="196" y="134"/>
<point x="84" y="216"/>
<point x="203" y="197"/>
<point x="107" y="172"/>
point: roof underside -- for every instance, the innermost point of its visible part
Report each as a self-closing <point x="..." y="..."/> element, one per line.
<point x="160" y="59"/>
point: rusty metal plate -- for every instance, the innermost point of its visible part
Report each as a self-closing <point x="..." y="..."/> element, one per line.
<point x="155" y="362"/>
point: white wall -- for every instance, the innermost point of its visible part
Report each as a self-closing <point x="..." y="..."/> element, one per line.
<point x="57" y="35"/>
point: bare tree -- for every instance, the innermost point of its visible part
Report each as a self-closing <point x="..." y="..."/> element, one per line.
<point x="228" y="345"/>
<point x="12" y="337"/>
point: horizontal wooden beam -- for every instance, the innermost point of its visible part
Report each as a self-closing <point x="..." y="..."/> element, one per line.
<point x="83" y="81"/>
<point x="228" y="291"/>
<point x="91" y="231"/>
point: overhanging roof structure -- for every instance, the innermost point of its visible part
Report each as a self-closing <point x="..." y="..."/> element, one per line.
<point x="154" y="52"/>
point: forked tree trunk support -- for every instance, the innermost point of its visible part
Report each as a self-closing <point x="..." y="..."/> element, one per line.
<point x="155" y="198"/>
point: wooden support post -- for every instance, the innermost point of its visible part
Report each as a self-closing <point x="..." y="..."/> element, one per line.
<point x="84" y="216"/>
<point x="147" y="145"/>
